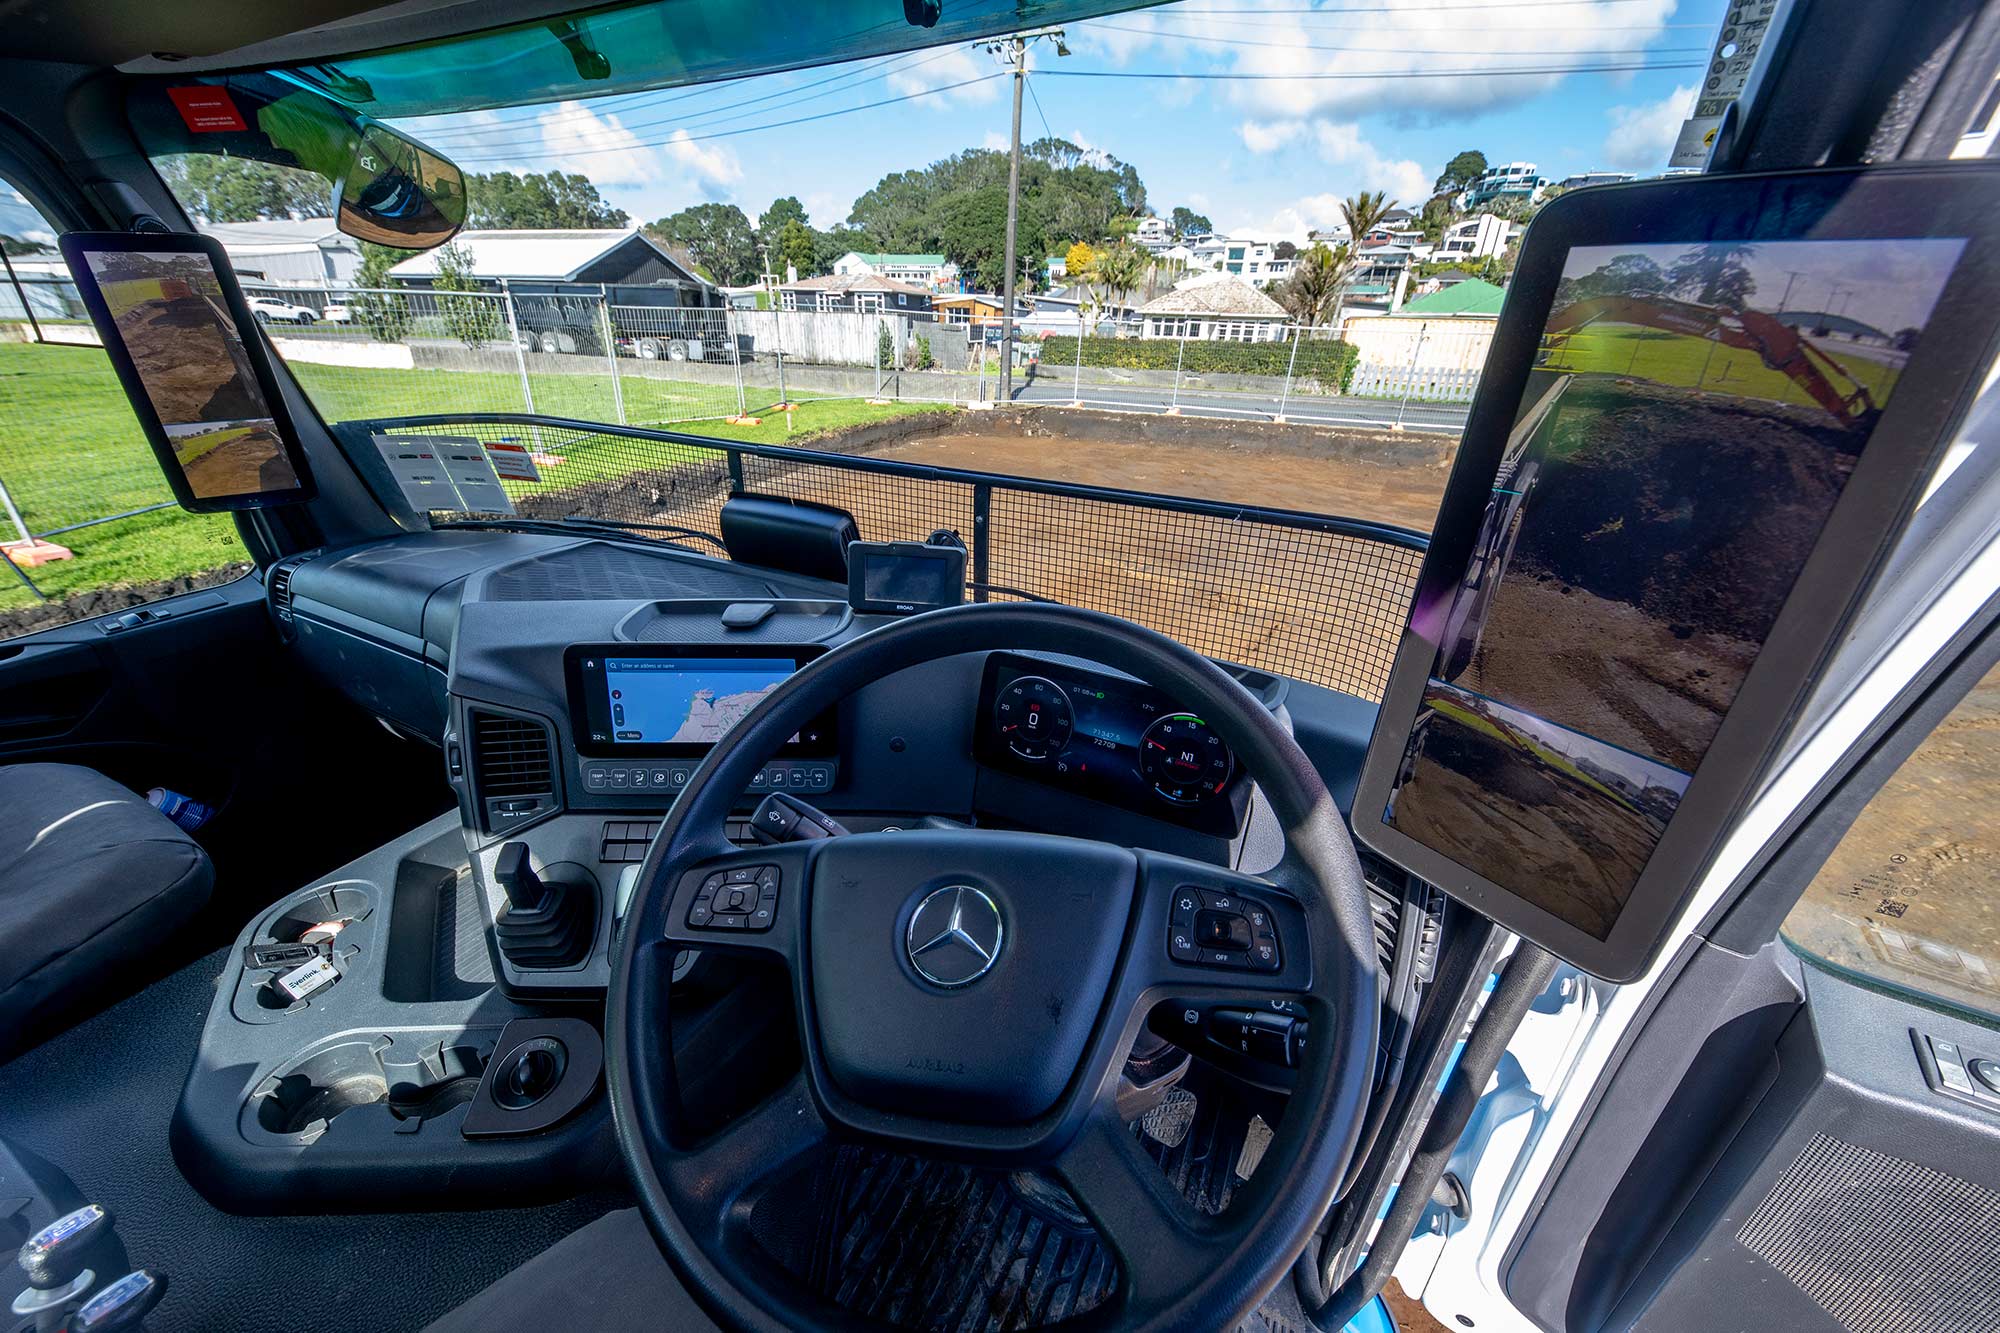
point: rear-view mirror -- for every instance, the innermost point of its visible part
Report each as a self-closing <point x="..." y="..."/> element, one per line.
<point x="398" y="193"/>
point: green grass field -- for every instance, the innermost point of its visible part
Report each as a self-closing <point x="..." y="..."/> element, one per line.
<point x="1695" y="363"/>
<point x="70" y="450"/>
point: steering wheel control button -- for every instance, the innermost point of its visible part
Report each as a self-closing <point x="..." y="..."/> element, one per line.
<point x="1222" y="930"/>
<point x="954" y="936"/>
<point x="740" y="898"/>
<point x="1212" y="929"/>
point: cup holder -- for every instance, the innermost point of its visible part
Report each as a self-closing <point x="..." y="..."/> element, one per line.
<point x="340" y="907"/>
<point x="412" y="1081"/>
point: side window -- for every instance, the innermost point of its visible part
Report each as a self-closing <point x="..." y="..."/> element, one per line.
<point x="1911" y="896"/>
<point x="87" y="522"/>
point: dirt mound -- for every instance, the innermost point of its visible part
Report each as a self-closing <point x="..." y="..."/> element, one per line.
<point x="1696" y="509"/>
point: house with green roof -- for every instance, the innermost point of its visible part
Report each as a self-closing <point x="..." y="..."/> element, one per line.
<point x="932" y="271"/>
<point x="1474" y="296"/>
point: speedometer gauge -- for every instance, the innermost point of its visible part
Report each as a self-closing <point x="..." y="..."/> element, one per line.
<point x="1034" y="717"/>
<point x="1184" y="759"/>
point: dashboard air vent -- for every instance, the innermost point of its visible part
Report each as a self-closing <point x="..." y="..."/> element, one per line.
<point x="279" y="589"/>
<point x="1385" y="903"/>
<point x="513" y="768"/>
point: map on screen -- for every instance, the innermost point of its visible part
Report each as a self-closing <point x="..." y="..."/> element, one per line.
<point x="670" y="701"/>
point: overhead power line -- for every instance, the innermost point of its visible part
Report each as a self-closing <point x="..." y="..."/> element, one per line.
<point x="1308" y="77"/>
<point x="1405" y="50"/>
<point x="772" y="125"/>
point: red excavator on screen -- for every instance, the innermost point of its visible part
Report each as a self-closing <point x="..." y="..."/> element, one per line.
<point x="1775" y="342"/>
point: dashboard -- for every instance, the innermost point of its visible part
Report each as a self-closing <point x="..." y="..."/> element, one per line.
<point x="572" y="686"/>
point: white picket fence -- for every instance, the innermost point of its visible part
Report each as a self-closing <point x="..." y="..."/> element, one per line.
<point x="1417" y="384"/>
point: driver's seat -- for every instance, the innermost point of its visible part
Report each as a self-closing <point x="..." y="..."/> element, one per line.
<point x="607" y="1276"/>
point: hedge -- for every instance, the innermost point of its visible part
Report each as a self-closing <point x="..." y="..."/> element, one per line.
<point x="1326" y="360"/>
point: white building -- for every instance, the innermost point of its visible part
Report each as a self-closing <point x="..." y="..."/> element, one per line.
<point x="1587" y="178"/>
<point x="932" y="271"/>
<point x="1477" y="237"/>
<point x="289" y="252"/>
<point x="1215" y="307"/>
<point x="1511" y="180"/>
<point x="1154" y="234"/>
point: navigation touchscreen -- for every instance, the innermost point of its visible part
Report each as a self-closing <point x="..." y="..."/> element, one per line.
<point x="1692" y="413"/>
<point x="653" y="701"/>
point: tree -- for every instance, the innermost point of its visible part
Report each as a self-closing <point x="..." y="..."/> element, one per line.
<point x="1437" y="215"/>
<point x="1460" y="172"/>
<point x="385" y="316"/>
<point x="1078" y="261"/>
<point x="1364" y="212"/>
<point x="972" y="232"/>
<point x="1284" y="250"/>
<point x="473" y="320"/>
<point x="529" y="202"/>
<point x="795" y="248"/>
<point x="1313" y="289"/>
<point x="1121" y="269"/>
<point x="242" y="189"/>
<point x="718" y="236"/>
<point x="772" y="224"/>
<point x="1187" y="222"/>
<point x="1714" y="275"/>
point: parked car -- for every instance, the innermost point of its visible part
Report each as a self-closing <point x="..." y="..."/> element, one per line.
<point x="337" y="313"/>
<point x="269" y="309"/>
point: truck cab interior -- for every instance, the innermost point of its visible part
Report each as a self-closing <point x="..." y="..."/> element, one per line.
<point x="805" y="914"/>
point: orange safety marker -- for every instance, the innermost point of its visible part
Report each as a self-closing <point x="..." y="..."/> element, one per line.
<point x="33" y="552"/>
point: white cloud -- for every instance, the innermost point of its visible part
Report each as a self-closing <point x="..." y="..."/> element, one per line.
<point x="614" y="154"/>
<point x="825" y="209"/>
<point x="715" y="164"/>
<point x="1374" y="59"/>
<point x="1341" y="145"/>
<point x="1642" y="137"/>
<point x="1268" y="137"/>
<point x="994" y="142"/>
<point x="1295" y="219"/>
<point x="959" y="65"/>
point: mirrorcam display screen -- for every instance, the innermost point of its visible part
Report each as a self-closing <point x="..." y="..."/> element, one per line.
<point x="1693" y="415"/>
<point x="177" y="331"/>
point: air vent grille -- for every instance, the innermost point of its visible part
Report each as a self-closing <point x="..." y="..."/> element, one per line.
<point x="1385" y="904"/>
<point x="511" y="756"/>
<point x="279" y="589"/>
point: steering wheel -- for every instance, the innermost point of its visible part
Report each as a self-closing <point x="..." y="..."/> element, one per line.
<point x="973" y="994"/>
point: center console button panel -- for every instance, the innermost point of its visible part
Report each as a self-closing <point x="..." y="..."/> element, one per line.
<point x="652" y="782"/>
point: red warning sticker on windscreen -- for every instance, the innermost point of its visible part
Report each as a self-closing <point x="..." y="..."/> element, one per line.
<point x="207" y="110"/>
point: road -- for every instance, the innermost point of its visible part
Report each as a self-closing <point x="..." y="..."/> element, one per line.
<point x="1312" y="408"/>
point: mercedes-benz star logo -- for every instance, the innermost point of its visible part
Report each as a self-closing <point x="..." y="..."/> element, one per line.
<point x="954" y="936"/>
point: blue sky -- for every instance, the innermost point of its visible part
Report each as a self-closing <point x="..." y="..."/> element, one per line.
<point x="1273" y="153"/>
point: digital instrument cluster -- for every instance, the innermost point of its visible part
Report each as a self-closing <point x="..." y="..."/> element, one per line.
<point x="1108" y="738"/>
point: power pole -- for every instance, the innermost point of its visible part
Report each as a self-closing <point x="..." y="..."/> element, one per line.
<point x="1014" y="50"/>
<point x="1017" y="52"/>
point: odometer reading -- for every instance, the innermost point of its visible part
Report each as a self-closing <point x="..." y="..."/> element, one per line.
<point x="1034" y="717"/>
<point x="1184" y="760"/>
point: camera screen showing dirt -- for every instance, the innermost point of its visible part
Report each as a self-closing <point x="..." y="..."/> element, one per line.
<point x="1693" y="415"/>
<point x="175" y="323"/>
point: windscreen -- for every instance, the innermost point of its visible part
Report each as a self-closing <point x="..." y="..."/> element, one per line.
<point x="172" y="318"/>
<point x="1694" y="414"/>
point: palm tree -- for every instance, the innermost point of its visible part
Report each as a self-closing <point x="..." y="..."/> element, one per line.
<point x="1363" y="212"/>
<point x="1120" y="269"/>
<point x="1314" y="287"/>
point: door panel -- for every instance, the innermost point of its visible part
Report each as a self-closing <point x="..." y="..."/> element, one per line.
<point x="1778" y="1144"/>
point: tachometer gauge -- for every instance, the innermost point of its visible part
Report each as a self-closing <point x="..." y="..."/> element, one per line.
<point x="1034" y="717"/>
<point x="1184" y="759"/>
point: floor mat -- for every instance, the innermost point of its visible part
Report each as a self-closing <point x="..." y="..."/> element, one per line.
<point x="96" y="1101"/>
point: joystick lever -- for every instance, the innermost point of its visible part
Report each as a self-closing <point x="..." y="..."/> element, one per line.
<point x="546" y="923"/>
<point x="516" y="876"/>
